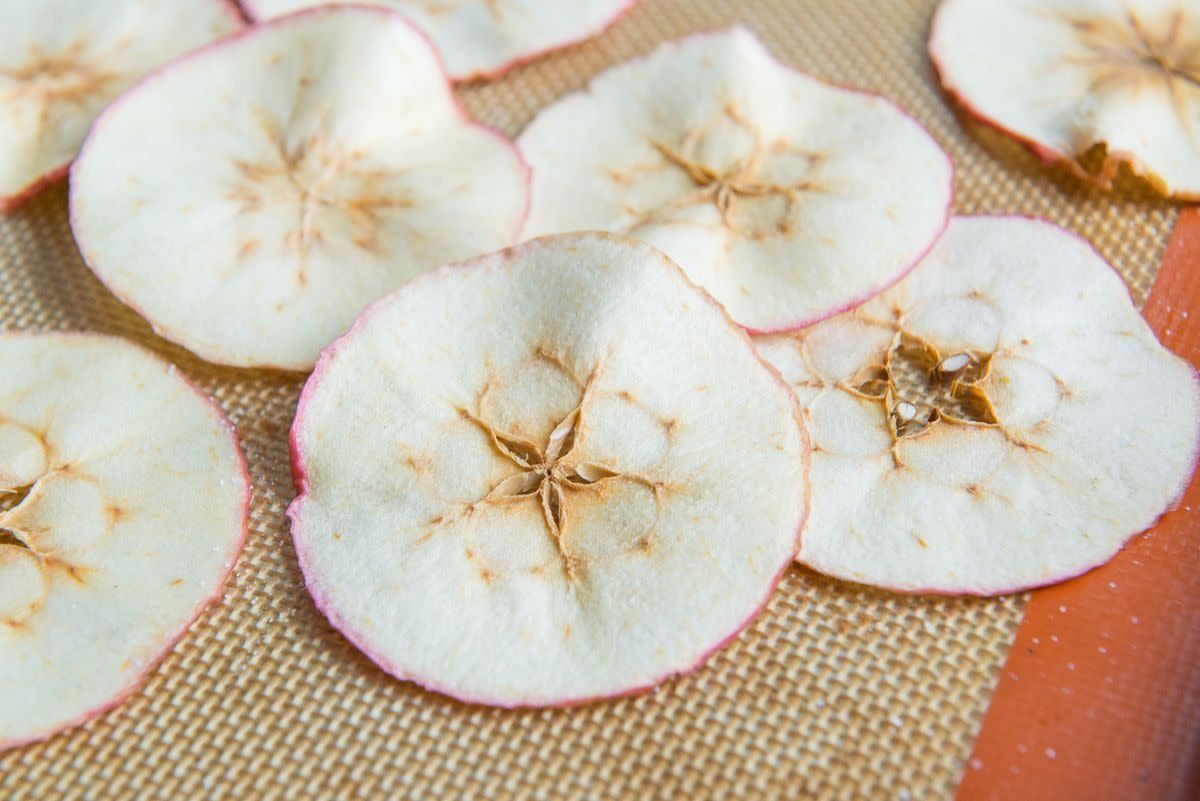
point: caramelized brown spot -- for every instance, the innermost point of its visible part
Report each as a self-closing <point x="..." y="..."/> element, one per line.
<point x="116" y="513"/>
<point x="419" y="464"/>
<point x="247" y="247"/>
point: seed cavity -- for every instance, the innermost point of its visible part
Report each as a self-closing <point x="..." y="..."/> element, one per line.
<point x="920" y="386"/>
<point x="953" y="364"/>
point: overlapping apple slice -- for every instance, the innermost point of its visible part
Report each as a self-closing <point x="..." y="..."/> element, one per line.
<point x="484" y="38"/>
<point x="251" y="199"/>
<point x="1001" y="419"/>
<point x="62" y="61"/>
<point x="123" y="498"/>
<point x="587" y="484"/>
<point x="786" y="198"/>
<point x="1091" y="84"/>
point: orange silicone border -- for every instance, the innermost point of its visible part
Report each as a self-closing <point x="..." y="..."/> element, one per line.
<point x="1100" y="696"/>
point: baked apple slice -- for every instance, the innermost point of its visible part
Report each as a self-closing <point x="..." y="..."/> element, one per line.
<point x="587" y="484"/>
<point x="123" y="498"/>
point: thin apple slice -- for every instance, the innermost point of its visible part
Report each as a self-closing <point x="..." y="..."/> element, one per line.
<point x="1089" y="84"/>
<point x="62" y="61"/>
<point x="484" y="38"/>
<point x="1001" y="419"/>
<point x="587" y="484"/>
<point x="786" y="198"/>
<point x="123" y="499"/>
<point x="251" y="199"/>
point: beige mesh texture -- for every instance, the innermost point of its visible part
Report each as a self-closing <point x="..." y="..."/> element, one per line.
<point x="835" y="692"/>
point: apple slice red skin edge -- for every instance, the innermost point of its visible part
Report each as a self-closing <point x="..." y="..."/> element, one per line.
<point x="10" y="203"/>
<point x="199" y="609"/>
<point x="466" y="118"/>
<point x="1176" y="498"/>
<point x="891" y="282"/>
<point x="300" y="480"/>
<point x="480" y="76"/>
<point x="947" y="214"/>
<point x="1047" y="155"/>
<point x="858" y="300"/>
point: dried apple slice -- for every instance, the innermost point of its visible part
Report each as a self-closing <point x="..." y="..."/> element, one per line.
<point x="484" y="38"/>
<point x="586" y="485"/>
<point x="1001" y="419"/>
<point x="123" y="498"/>
<point x="786" y="198"/>
<point x="61" y="61"/>
<point x="1091" y="84"/>
<point x="251" y="199"/>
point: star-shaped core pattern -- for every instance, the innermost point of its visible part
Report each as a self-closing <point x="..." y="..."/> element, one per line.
<point x="756" y="195"/>
<point x="34" y="543"/>
<point x="547" y="475"/>
<point x="323" y="187"/>
<point x="919" y="386"/>
<point x="67" y="78"/>
<point x="1127" y="54"/>
<point x="1127" y="51"/>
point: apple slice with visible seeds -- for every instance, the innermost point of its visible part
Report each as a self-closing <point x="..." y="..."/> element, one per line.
<point x="484" y="38"/>
<point x="250" y="199"/>
<point x="585" y="486"/>
<point x="62" y="61"/>
<point x="1091" y="85"/>
<point x="787" y="199"/>
<point x="1001" y="419"/>
<point x="122" y="511"/>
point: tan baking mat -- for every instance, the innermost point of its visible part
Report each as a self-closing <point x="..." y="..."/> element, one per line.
<point x="836" y="692"/>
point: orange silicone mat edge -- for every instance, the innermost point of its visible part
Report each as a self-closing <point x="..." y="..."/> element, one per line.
<point x="1100" y="695"/>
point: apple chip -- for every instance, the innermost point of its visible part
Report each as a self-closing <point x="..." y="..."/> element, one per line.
<point x="586" y="485"/>
<point x="484" y="38"/>
<point x="62" y="61"/>
<point x="251" y="199"/>
<point x="786" y="198"/>
<point x="1090" y="83"/>
<point x="1001" y="419"/>
<point x="123" y="497"/>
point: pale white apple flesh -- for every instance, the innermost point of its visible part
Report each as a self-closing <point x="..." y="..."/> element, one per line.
<point x="585" y="485"/>
<point x="1077" y="79"/>
<point x="787" y="199"/>
<point x="62" y="61"/>
<point x="483" y="38"/>
<point x="1000" y="419"/>
<point x="251" y="199"/>
<point x="123" y="494"/>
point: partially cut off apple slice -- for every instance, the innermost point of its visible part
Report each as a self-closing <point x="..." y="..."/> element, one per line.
<point x="1091" y="83"/>
<point x="251" y="199"/>
<point x="483" y="38"/>
<point x="123" y="498"/>
<point x="1001" y="419"/>
<point x="62" y="61"/>
<point x="786" y="198"/>
<point x="587" y="484"/>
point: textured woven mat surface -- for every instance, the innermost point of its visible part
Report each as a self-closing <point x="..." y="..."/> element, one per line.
<point x="835" y="692"/>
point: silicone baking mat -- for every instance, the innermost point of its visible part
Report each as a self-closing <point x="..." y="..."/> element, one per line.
<point x="835" y="692"/>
